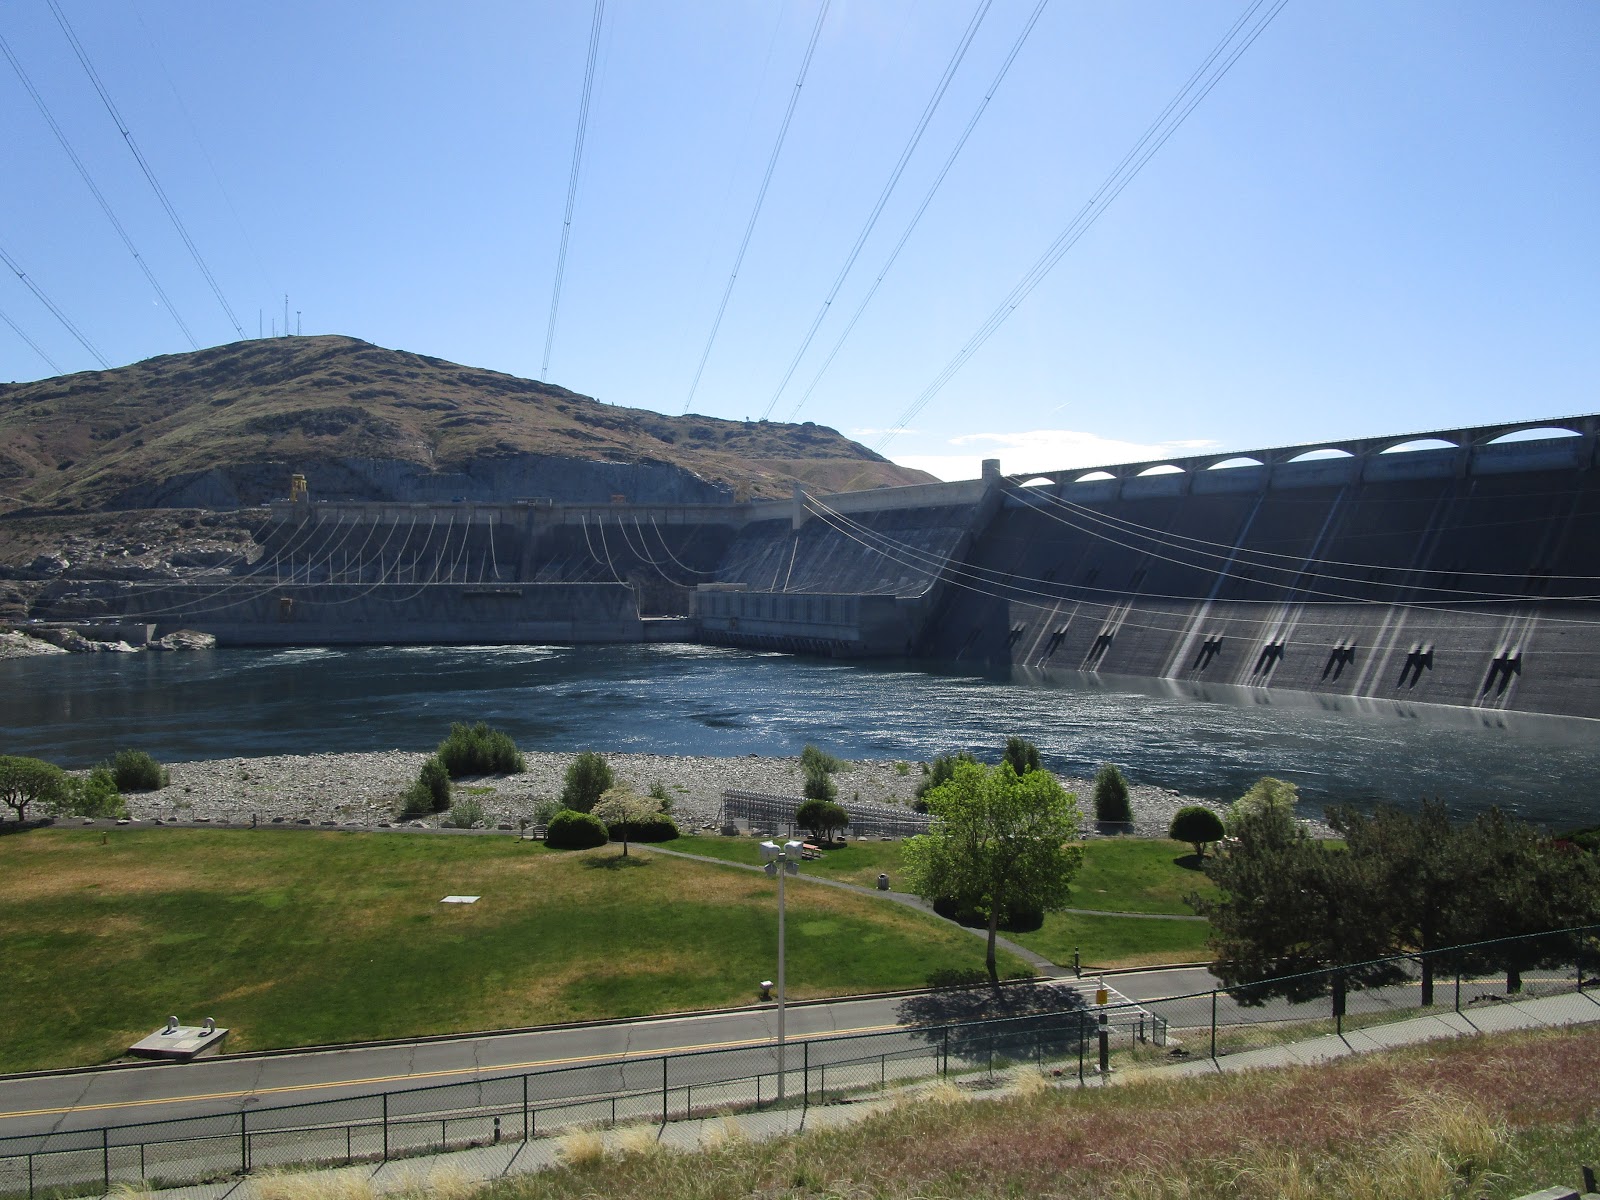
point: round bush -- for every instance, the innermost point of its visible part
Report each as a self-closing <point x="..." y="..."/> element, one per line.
<point x="1197" y="826"/>
<point x="588" y="778"/>
<point x="136" y="771"/>
<point x="570" y="830"/>
<point x="479" y="750"/>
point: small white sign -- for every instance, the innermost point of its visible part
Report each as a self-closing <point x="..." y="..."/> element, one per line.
<point x="459" y="900"/>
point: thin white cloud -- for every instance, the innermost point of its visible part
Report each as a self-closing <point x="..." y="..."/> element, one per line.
<point x="1042" y="450"/>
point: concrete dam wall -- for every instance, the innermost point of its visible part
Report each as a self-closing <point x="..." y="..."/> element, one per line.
<point x="1458" y="573"/>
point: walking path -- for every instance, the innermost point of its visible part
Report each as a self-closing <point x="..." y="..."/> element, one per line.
<point x="450" y="1171"/>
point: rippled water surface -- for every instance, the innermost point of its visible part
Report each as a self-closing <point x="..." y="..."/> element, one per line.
<point x="77" y="709"/>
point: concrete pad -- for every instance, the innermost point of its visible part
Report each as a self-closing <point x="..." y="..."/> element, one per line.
<point x="1502" y="1018"/>
<point x="478" y="1163"/>
<point x="1575" y="1008"/>
<point x="1404" y="1033"/>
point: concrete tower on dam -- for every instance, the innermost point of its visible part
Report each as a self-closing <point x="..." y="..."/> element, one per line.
<point x="1450" y="567"/>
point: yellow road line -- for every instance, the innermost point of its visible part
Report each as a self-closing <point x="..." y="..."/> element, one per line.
<point x="381" y="1079"/>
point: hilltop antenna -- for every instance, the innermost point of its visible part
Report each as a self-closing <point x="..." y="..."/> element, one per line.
<point x="286" y="314"/>
<point x="297" y="322"/>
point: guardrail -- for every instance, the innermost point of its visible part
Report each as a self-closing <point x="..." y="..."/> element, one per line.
<point x="1071" y="1038"/>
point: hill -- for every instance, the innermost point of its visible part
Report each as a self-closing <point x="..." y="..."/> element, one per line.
<point x="224" y="427"/>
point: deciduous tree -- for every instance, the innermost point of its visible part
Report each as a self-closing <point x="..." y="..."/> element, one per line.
<point x="25" y="782"/>
<point x="999" y="841"/>
<point x="822" y="817"/>
<point x="622" y="808"/>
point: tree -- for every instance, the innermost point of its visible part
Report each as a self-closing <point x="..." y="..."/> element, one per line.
<point x="818" y="767"/>
<point x="1419" y="861"/>
<point x="1197" y="825"/>
<point x="588" y="778"/>
<point x="621" y="808"/>
<point x="1522" y="884"/>
<point x="1271" y="796"/>
<point x="1111" y="795"/>
<point x="999" y="842"/>
<point x="1288" y="906"/>
<point x="1022" y="754"/>
<point x="941" y="771"/>
<point x="821" y="817"/>
<point x="28" y="781"/>
<point x="429" y="792"/>
<point x="136" y="771"/>
<point x="92" y="795"/>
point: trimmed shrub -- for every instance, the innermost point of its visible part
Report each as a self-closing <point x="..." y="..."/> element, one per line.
<point x="658" y="792"/>
<point x="1111" y="795"/>
<point x="588" y="778"/>
<point x="1022" y="754"/>
<point x="942" y="771"/>
<point x="466" y="814"/>
<point x="571" y="830"/>
<point x="136" y="771"/>
<point x="430" y="793"/>
<point x="1196" y="825"/>
<point x="479" y="750"/>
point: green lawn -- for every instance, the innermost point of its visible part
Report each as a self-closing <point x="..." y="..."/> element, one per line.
<point x="1119" y="874"/>
<point x="298" y="938"/>
<point x="1128" y="875"/>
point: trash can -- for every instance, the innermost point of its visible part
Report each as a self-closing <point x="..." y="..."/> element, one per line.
<point x="883" y="883"/>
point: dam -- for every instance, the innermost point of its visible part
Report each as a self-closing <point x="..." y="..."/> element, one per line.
<point x="1451" y="567"/>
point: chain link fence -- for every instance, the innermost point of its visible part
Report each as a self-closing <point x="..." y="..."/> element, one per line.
<point x="1068" y="1037"/>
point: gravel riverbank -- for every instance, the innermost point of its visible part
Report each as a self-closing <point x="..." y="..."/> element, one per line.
<point x="364" y="789"/>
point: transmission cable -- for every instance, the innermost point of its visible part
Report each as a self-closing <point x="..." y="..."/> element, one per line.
<point x="1172" y="117"/>
<point x="927" y="199"/>
<point x="94" y="189"/>
<point x="52" y="306"/>
<point x="17" y="329"/>
<point x="761" y="195"/>
<point x="144" y="166"/>
<point x="572" y="180"/>
<point x="883" y="197"/>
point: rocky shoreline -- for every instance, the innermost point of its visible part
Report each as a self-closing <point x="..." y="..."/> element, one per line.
<point x="363" y="790"/>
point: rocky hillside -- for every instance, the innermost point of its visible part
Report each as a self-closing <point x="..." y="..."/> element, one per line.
<point x="223" y="429"/>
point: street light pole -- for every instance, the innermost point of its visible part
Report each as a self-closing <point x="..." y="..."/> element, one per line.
<point x="780" y="863"/>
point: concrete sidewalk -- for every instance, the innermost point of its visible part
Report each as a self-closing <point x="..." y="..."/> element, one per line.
<point x="491" y="1162"/>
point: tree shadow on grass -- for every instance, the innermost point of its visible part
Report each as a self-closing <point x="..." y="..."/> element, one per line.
<point x="1189" y="862"/>
<point x="614" y="862"/>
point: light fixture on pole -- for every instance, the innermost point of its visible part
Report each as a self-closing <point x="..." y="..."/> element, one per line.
<point x="781" y="860"/>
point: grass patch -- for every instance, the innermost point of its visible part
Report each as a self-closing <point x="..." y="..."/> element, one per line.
<point x="298" y="938"/>
<point x="1143" y="875"/>
<point x="1116" y="941"/>
<point x="1434" y="1120"/>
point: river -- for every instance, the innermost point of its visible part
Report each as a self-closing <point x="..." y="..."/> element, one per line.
<point x="78" y="709"/>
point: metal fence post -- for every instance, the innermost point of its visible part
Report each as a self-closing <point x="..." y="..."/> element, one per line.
<point x="1458" y="989"/>
<point x="944" y="1070"/>
<point x="244" y="1144"/>
<point x="525" y="1129"/>
<point x="386" y="1127"/>
<point x="105" y="1154"/>
<point x="805" y="1075"/>
<point x="663" y="1089"/>
<point x="1213" y="1024"/>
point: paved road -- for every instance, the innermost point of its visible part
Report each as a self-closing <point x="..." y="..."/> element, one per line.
<point x="90" y="1099"/>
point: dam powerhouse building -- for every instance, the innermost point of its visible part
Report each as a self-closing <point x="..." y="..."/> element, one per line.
<point x="1450" y="567"/>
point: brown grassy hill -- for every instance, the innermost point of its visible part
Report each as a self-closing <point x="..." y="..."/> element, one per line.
<point x="226" y="425"/>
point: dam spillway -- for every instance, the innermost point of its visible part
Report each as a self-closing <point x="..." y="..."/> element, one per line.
<point x="1460" y="573"/>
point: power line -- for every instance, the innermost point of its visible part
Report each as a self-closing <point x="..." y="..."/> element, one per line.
<point x="572" y="182"/>
<point x="127" y="136"/>
<point x="883" y="197"/>
<point x="17" y="329"/>
<point x="105" y="205"/>
<point x="1172" y="117"/>
<point x="766" y="179"/>
<point x="927" y="199"/>
<point x="51" y="305"/>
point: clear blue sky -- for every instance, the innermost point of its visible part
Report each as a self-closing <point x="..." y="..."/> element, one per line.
<point x="1382" y="219"/>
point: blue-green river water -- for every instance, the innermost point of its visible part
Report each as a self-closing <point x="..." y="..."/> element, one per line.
<point x="77" y="709"/>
